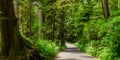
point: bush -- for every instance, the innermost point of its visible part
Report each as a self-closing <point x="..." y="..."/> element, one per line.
<point x="101" y="39"/>
<point x="47" y="49"/>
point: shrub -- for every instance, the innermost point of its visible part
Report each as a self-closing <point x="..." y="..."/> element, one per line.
<point x="107" y="44"/>
<point x="47" y="49"/>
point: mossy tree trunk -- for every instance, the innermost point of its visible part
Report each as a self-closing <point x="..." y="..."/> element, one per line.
<point x="13" y="44"/>
<point x="40" y="15"/>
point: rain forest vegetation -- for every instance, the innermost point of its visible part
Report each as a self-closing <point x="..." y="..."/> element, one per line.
<point x="38" y="29"/>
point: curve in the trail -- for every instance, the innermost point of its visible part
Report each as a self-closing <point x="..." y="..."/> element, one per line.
<point x="73" y="53"/>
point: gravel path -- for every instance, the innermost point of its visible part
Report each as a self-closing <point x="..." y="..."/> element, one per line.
<point x="73" y="53"/>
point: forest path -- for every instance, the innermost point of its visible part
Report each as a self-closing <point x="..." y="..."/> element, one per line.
<point x="73" y="53"/>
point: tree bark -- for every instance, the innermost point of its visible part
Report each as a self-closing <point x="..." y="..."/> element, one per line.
<point x="13" y="44"/>
<point x="105" y="7"/>
<point x="16" y="9"/>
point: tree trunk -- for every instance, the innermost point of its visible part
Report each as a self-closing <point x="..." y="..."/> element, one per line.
<point x="118" y="3"/>
<point x="16" y="8"/>
<point x="105" y="7"/>
<point x="53" y="21"/>
<point x="40" y="15"/>
<point x="13" y="44"/>
<point x="52" y="26"/>
<point x="62" y="28"/>
<point x="30" y="19"/>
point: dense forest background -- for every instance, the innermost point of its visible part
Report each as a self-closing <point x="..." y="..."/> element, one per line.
<point x="39" y="28"/>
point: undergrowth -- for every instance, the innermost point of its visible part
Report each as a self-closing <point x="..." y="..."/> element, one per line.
<point x="100" y="38"/>
<point x="47" y="49"/>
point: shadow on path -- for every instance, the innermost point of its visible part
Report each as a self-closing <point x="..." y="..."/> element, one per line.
<point x="73" y="53"/>
<point x="72" y="50"/>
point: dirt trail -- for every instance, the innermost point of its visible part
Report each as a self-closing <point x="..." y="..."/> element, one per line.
<point x="73" y="53"/>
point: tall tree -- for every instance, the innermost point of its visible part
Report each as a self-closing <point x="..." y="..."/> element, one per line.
<point x="30" y="18"/>
<point x="62" y="28"/>
<point x="52" y="20"/>
<point x="105" y="7"/>
<point x="16" y="8"/>
<point x="13" y="43"/>
<point x="40" y="15"/>
<point x="118" y="3"/>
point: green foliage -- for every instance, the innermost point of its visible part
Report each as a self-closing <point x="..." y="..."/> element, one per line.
<point x="29" y="20"/>
<point x="47" y="49"/>
<point x="106" y="45"/>
<point x="84" y="23"/>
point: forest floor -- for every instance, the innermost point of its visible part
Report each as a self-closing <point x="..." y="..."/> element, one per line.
<point x="73" y="53"/>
